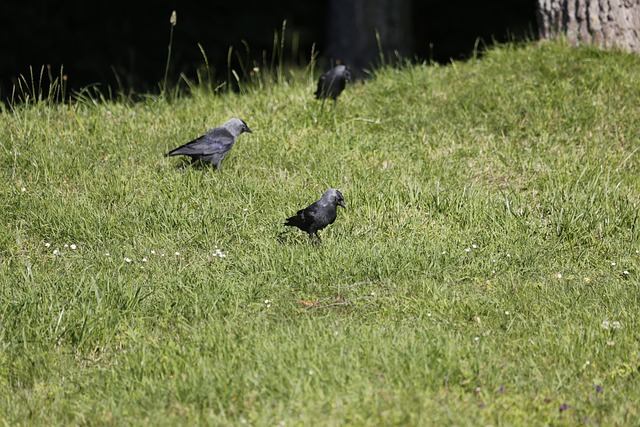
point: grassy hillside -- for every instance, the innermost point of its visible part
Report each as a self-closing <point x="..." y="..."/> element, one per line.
<point x="485" y="271"/>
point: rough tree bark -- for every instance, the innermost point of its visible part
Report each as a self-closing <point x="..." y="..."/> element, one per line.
<point x="352" y="31"/>
<point x="605" y="23"/>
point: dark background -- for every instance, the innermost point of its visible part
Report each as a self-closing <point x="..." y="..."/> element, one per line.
<point x="97" y="41"/>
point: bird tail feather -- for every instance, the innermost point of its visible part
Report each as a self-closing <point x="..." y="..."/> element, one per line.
<point x="294" y="221"/>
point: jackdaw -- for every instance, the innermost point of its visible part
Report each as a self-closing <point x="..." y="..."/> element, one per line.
<point x="214" y="145"/>
<point x="332" y="83"/>
<point x="319" y="214"/>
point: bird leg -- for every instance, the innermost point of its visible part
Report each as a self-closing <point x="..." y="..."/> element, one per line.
<point x="315" y="241"/>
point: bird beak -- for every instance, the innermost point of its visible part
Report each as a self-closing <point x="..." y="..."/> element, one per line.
<point x="246" y="129"/>
<point x="341" y="203"/>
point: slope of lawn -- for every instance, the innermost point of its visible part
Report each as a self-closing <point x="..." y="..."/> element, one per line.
<point x="485" y="270"/>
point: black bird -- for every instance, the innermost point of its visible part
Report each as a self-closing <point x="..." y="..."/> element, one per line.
<point x="318" y="215"/>
<point x="332" y="83"/>
<point x="214" y="145"/>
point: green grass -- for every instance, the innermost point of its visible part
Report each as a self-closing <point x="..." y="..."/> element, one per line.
<point x="491" y="229"/>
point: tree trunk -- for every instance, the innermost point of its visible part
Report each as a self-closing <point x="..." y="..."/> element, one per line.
<point x="605" y="23"/>
<point x="356" y="25"/>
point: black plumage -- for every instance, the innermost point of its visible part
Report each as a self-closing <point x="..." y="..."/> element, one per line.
<point x="333" y="82"/>
<point x="213" y="146"/>
<point x="318" y="215"/>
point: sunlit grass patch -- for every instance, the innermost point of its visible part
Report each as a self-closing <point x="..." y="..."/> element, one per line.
<point x="484" y="271"/>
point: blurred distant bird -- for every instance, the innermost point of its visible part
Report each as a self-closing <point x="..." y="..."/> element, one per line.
<point x="214" y="145"/>
<point x="319" y="214"/>
<point x="332" y="83"/>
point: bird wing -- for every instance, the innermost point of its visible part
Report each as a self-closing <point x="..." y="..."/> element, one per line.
<point x="304" y="217"/>
<point x="217" y="140"/>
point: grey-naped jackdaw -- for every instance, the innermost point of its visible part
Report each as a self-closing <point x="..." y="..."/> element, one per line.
<point x="213" y="146"/>
<point x="318" y="215"/>
<point x="332" y="83"/>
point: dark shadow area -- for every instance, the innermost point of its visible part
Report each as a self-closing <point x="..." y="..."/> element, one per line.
<point x="122" y="46"/>
<point x="450" y="30"/>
